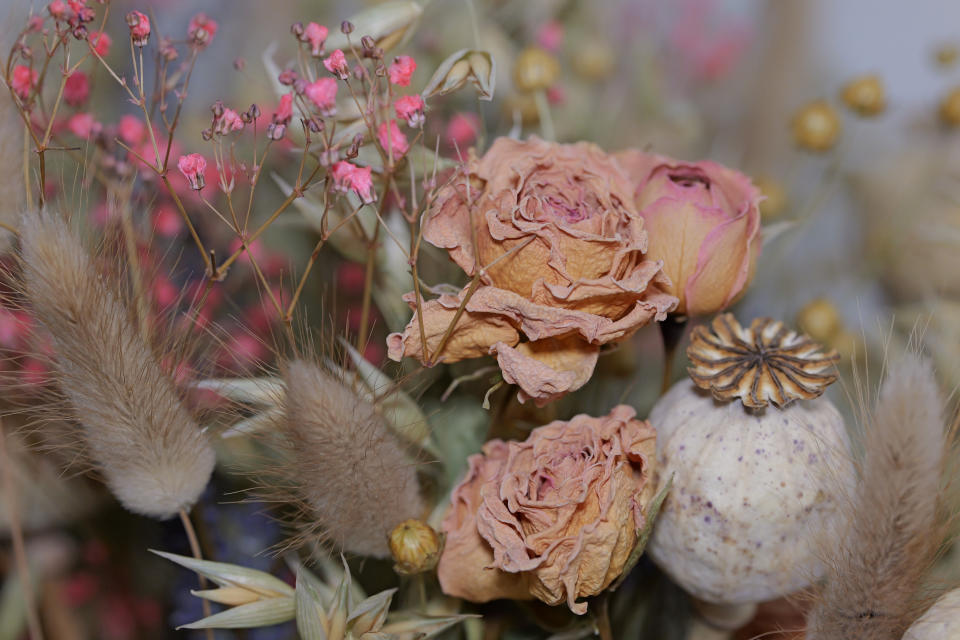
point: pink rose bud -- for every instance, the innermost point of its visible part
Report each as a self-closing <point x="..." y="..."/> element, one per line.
<point x="392" y="139"/>
<point x="82" y="125"/>
<point x="192" y="167"/>
<point x="139" y="25"/>
<point x="23" y="81"/>
<point x="401" y="70"/>
<point x="76" y="89"/>
<point x="323" y="93"/>
<point x="410" y="108"/>
<point x="201" y="30"/>
<point x="703" y="222"/>
<point x="100" y="42"/>
<point x="316" y="35"/>
<point x="337" y="65"/>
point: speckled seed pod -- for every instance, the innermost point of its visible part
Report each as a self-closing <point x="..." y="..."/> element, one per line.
<point x="751" y="489"/>
<point x="940" y="622"/>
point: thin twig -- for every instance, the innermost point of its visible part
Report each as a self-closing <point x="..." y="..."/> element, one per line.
<point x="195" y="549"/>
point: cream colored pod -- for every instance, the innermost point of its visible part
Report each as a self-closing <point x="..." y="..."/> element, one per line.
<point x="751" y="490"/>
<point x="940" y="622"/>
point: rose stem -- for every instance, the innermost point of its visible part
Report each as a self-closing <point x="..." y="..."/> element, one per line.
<point x="601" y="614"/>
<point x="16" y="533"/>
<point x="195" y="549"/>
<point x="543" y="111"/>
<point x="671" y="330"/>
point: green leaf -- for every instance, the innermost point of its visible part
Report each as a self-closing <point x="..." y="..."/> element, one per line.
<point x="643" y="535"/>
<point x="261" y="613"/>
<point x="473" y="65"/>
<point x="231" y="575"/>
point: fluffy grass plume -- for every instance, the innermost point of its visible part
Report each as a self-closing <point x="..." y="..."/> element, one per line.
<point x="135" y="428"/>
<point x="875" y="581"/>
<point x="352" y="477"/>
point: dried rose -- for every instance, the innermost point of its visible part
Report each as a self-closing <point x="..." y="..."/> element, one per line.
<point x="554" y="517"/>
<point x="558" y="246"/>
<point x="704" y="223"/>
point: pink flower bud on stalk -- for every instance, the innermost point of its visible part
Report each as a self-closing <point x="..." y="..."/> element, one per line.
<point x="76" y="89"/>
<point x="139" y="28"/>
<point x="58" y="9"/>
<point x="201" y="30"/>
<point x="392" y="139"/>
<point x="100" y="42"/>
<point x="228" y="121"/>
<point x="82" y="125"/>
<point x="410" y="108"/>
<point x="347" y="176"/>
<point x="337" y="65"/>
<point x="192" y="167"/>
<point x="23" y="81"/>
<point x="323" y="93"/>
<point x="402" y="70"/>
<point x="316" y="35"/>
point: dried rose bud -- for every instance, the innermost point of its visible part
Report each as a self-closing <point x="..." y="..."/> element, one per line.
<point x="415" y="547"/>
<point x="139" y="25"/>
<point x="192" y="167"/>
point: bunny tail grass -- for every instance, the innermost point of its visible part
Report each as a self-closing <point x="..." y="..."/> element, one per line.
<point x="137" y="432"/>
<point x="875" y="580"/>
<point x="351" y="473"/>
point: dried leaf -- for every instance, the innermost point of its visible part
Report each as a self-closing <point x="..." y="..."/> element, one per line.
<point x="312" y="622"/>
<point x="371" y="614"/>
<point x="479" y="67"/>
<point x="423" y="626"/>
<point x="387" y="23"/>
<point x="643" y="535"/>
<point x="262" y="613"/>
<point x="260" y="391"/>
<point x="231" y="575"/>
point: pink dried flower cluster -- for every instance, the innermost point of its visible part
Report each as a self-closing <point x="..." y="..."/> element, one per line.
<point x="336" y="64"/>
<point x="192" y="167"/>
<point x="402" y="70"/>
<point x="392" y="139"/>
<point x="323" y="93"/>
<point x="410" y="108"/>
<point x="348" y="176"/>
<point x="139" y="25"/>
<point x="24" y="80"/>
<point x="201" y="30"/>
<point x="316" y="35"/>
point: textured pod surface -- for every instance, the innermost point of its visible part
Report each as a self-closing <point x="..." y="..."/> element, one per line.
<point x="940" y="622"/>
<point x="750" y="491"/>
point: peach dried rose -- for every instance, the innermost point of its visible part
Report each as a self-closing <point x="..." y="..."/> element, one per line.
<point x="555" y="241"/>
<point x="704" y="224"/>
<point x="554" y="517"/>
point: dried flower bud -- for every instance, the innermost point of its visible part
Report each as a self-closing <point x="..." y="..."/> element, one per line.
<point x="287" y="77"/>
<point x="816" y="126"/>
<point x="595" y="60"/>
<point x="316" y="35"/>
<point x="192" y="167"/>
<point x="139" y="25"/>
<point x="415" y="547"/>
<point x="535" y="70"/>
<point x="336" y="64"/>
<point x="946" y="55"/>
<point x="276" y="131"/>
<point x="239" y="64"/>
<point x="865" y="96"/>
<point x="217" y="109"/>
<point x="368" y="43"/>
<point x="254" y="112"/>
<point x="820" y="320"/>
<point x="297" y="30"/>
<point x="346" y="27"/>
<point x="950" y="108"/>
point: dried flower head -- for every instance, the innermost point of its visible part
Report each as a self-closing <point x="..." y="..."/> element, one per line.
<point x="865" y="95"/>
<point x="535" y="70"/>
<point x="139" y="25"/>
<point x="764" y="363"/>
<point x="816" y="126"/>
<point x="950" y="108"/>
<point x="415" y="547"/>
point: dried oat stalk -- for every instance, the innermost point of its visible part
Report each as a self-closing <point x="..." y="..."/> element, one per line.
<point x="764" y="363"/>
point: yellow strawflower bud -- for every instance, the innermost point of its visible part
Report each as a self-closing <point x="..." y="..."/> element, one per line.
<point x="415" y="547"/>
<point x="865" y="95"/>
<point x="946" y="55"/>
<point x="595" y="60"/>
<point x="535" y="70"/>
<point x="816" y="126"/>
<point x="950" y="108"/>
<point x="820" y="320"/>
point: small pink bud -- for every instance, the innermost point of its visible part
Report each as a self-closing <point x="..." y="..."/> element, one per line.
<point x="131" y="130"/>
<point x="462" y="129"/>
<point x="228" y="121"/>
<point x="550" y="36"/>
<point x="284" y="110"/>
<point x="392" y="139"/>
<point x="23" y="81"/>
<point x="201" y="30"/>
<point x="100" y="42"/>
<point x="316" y="35"/>
<point x="58" y="9"/>
<point x="139" y="25"/>
<point x="349" y="177"/>
<point x="82" y="125"/>
<point x="323" y="93"/>
<point x="192" y="167"/>
<point x="337" y="64"/>
<point x="410" y="108"/>
<point x="402" y="70"/>
<point x="76" y="89"/>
